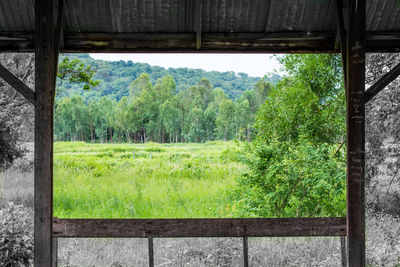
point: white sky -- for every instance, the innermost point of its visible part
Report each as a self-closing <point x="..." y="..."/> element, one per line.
<point x="256" y="65"/>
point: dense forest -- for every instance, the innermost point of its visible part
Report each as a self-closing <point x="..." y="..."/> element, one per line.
<point x="187" y="105"/>
<point x="116" y="76"/>
<point x="159" y="113"/>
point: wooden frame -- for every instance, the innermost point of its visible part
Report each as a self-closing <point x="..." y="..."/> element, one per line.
<point x="353" y="42"/>
<point x="285" y="42"/>
<point x="144" y="228"/>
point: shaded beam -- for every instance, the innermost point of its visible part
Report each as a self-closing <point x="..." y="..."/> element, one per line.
<point x="355" y="133"/>
<point x="381" y="83"/>
<point x="17" y="84"/>
<point x="285" y="42"/>
<point x="45" y="75"/>
<point x="187" y="43"/>
<point x="251" y="227"/>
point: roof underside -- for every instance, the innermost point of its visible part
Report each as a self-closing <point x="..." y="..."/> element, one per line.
<point x="200" y="25"/>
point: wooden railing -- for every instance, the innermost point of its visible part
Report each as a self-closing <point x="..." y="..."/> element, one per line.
<point x="173" y="228"/>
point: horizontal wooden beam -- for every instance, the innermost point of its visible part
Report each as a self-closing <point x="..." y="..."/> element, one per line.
<point x="284" y="42"/>
<point x="17" y="84"/>
<point x="251" y="227"/>
<point x="381" y="83"/>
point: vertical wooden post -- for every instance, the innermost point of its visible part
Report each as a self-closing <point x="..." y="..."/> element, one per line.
<point x="245" y="251"/>
<point x="55" y="253"/>
<point x="343" y="251"/>
<point x="44" y="86"/>
<point x="151" y="251"/>
<point x="355" y="123"/>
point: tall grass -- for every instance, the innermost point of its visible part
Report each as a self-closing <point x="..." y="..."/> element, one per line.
<point x="160" y="181"/>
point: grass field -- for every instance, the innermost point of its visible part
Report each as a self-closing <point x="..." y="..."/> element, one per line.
<point x="162" y="181"/>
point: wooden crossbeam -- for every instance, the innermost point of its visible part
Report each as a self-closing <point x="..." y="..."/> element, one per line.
<point x="251" y="227"/>
<point x="379" y="85"/>
<point x="284" y="42"/>
<point x="17" y="84"/>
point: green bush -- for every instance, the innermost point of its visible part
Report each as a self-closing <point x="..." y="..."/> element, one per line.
<point x="16" y="235"/>
<point x="293" y="180"/>
<point x="296" y="160"/>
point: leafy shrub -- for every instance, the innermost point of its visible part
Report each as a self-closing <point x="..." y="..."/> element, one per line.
<point x="231" y="154"/>
<point x="16" y="235"/>
<point x="23" y="165"/>
<point x="9" y="147"/>
<point x="293" y="180"/>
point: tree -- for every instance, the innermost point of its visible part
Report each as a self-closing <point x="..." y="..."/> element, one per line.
<point x="16" y="120"/>
<point x="296" y="161"/>
<point x="382" y="134"/>
<point x="224" y="120"/>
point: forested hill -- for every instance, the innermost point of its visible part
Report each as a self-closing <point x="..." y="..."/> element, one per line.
<point x="116" y="76"/>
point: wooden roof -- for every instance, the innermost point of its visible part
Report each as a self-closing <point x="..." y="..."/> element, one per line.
<point x="200" y="25"/>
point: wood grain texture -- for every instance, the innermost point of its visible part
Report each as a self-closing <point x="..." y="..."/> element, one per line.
<point x="44" y="87"/>
<point x="285" y="42"/>
<point x="252" y="227"/>
<point x="355" y="125"/>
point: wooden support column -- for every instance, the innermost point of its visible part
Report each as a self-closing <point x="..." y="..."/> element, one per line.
<point x="45" y="57"/>
<point x="355" y="123"/>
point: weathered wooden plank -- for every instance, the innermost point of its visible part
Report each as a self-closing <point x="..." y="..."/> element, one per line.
<point x="251" y="227"/>
<point x="44" y="88"/>
<point x="17" y="84"/>
<point x="285" y="42"/>
<point x="384" y="81"/>
<point x="251" y="42"/>
<point x="355" y="125"/>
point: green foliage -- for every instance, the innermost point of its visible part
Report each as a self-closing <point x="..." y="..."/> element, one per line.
<point x="179" y="180"/>
<point x="75" y="71"/>
<point x="293" y="180"/>
<point x="296" y="165"/>
<point x="116" y="76"/>
<point x="16" y="235"/>
<point x="158" y="113"/>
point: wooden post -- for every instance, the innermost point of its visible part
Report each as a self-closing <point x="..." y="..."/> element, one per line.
<point x="55" y="253"/>
<point x="355" y="124"/>
<point x="343" y="251"/>
<point x="151" y="251"/>
<point x="245" y="251"/>
<point x="45" y="57"/>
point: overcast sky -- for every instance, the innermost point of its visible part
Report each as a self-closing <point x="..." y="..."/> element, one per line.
<point x="256" y="65"/>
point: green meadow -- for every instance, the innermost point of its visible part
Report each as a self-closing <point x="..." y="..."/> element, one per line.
<point x="184" y="180"/>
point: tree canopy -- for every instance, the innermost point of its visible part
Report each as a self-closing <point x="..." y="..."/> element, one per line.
<point x="296" y="161"/>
